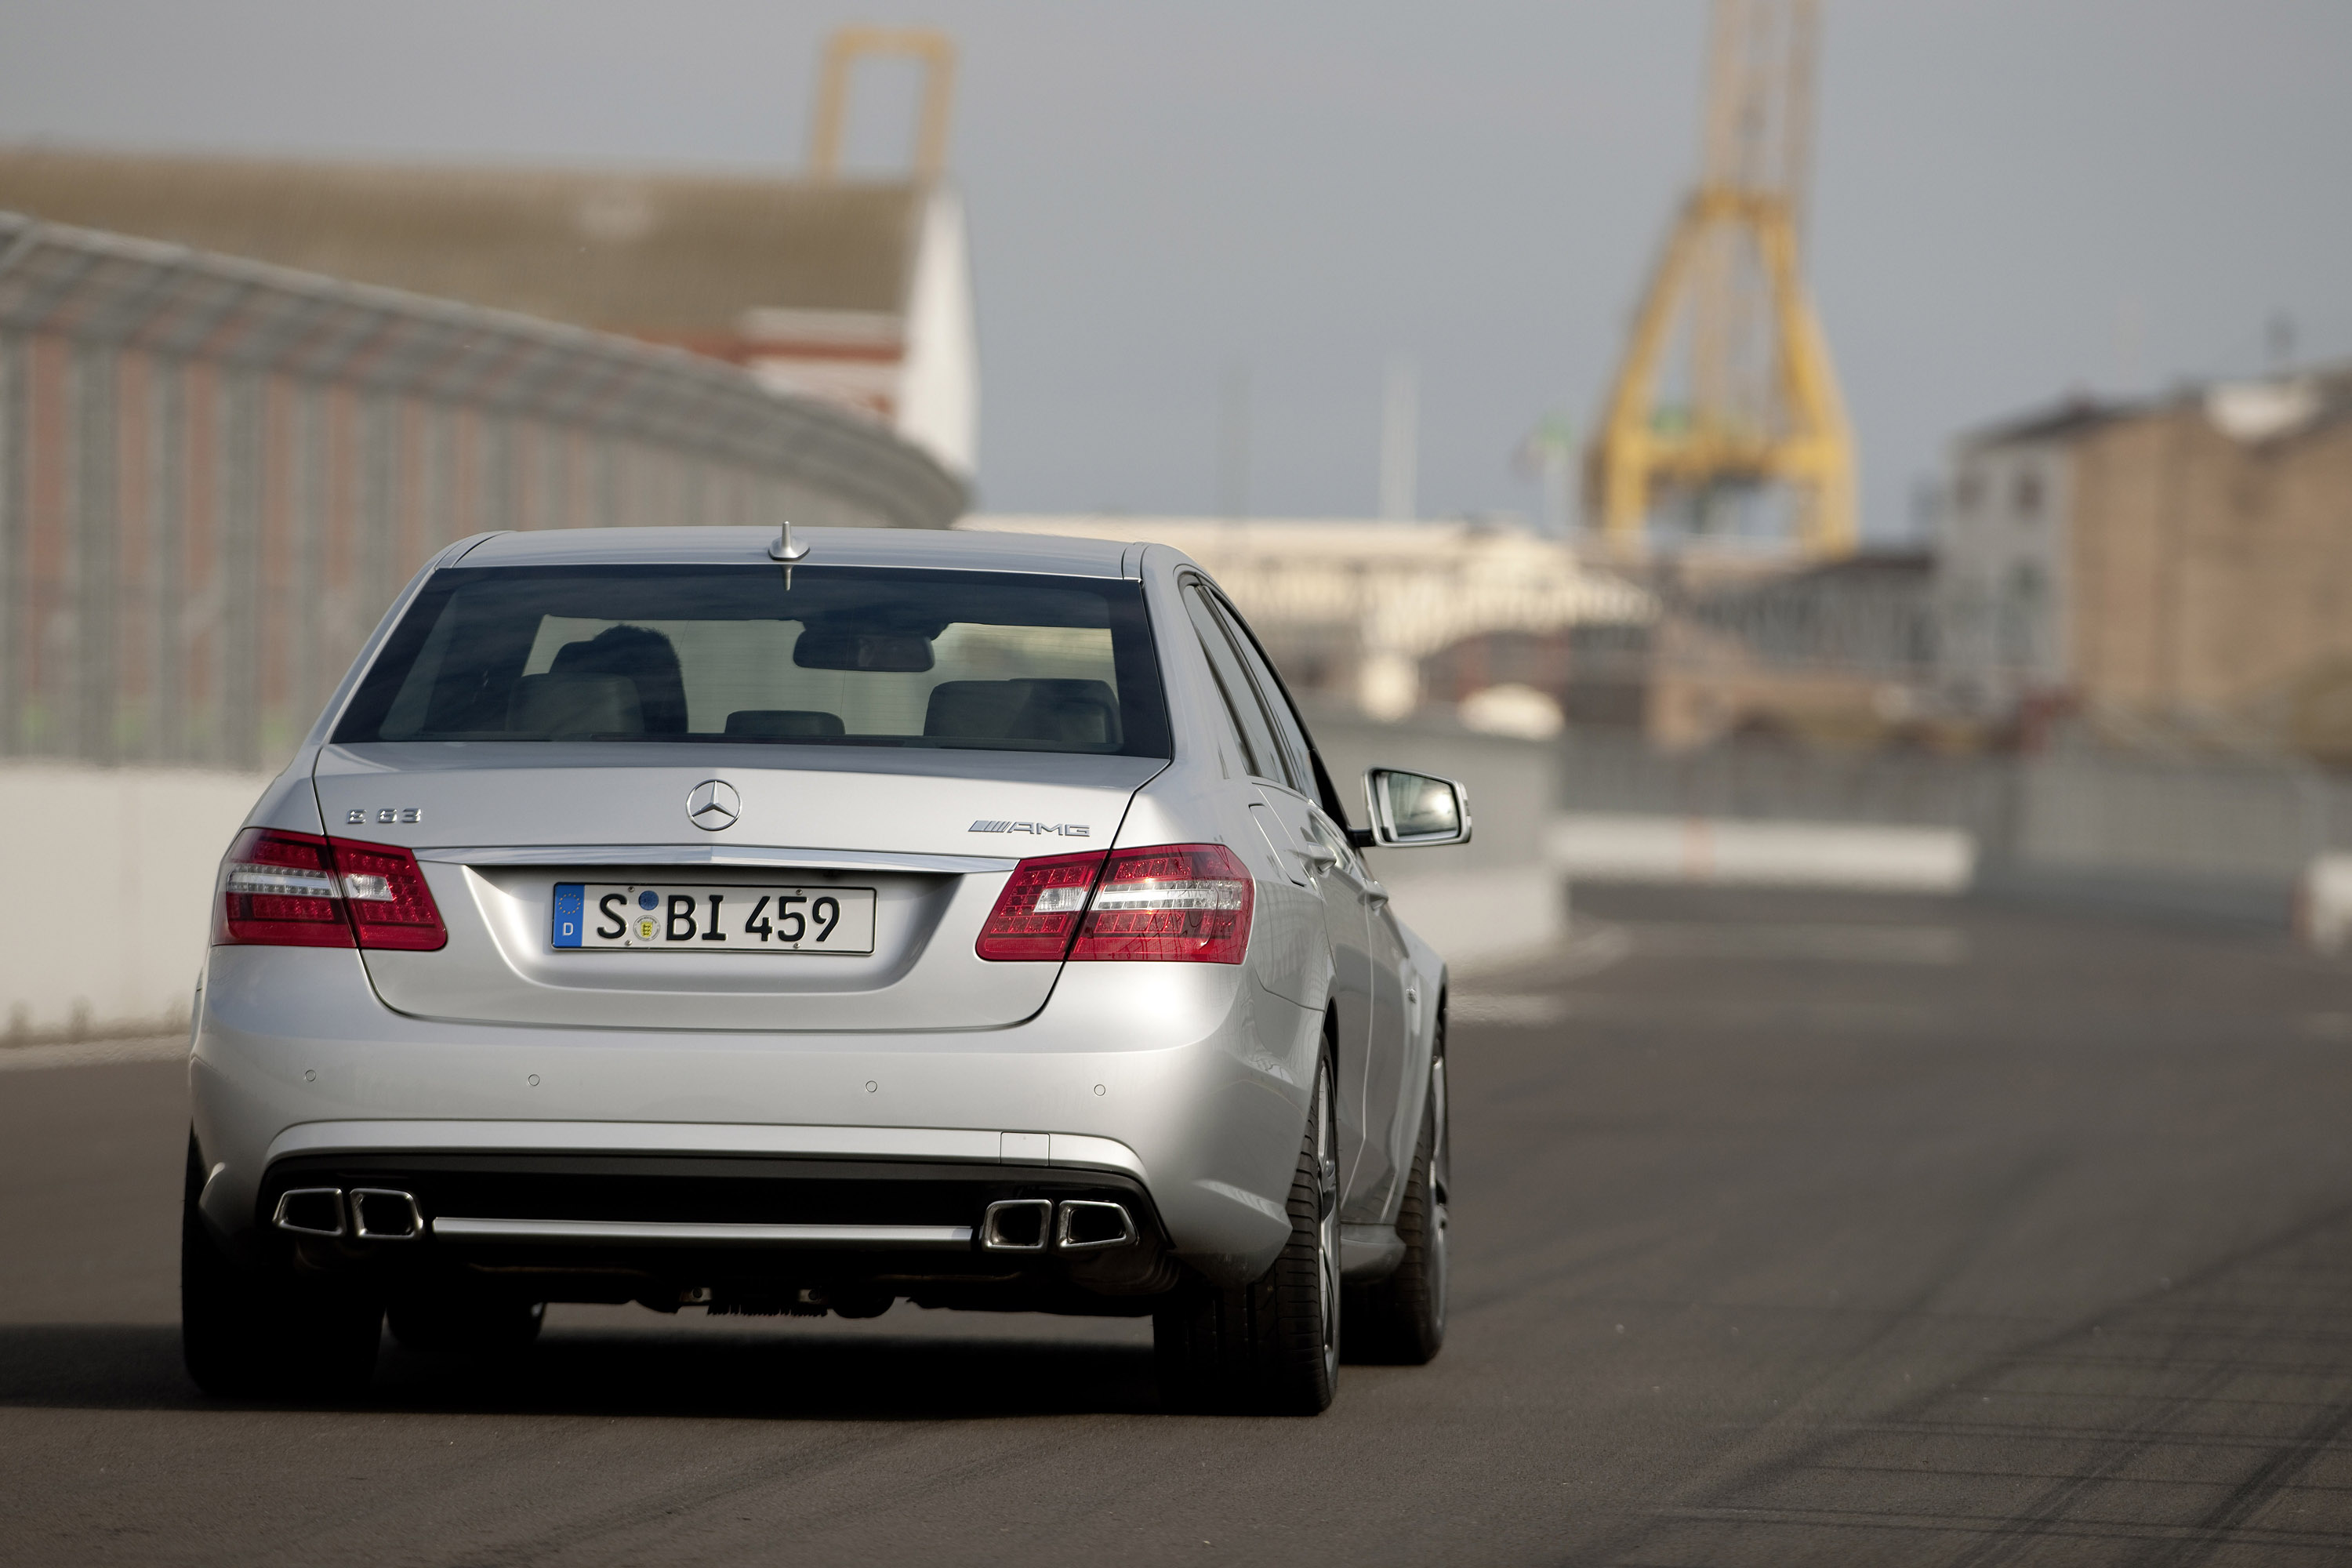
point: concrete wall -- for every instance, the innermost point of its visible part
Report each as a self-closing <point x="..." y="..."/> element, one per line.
<point x="1612" y="847"/>
<point x="112" y="871"/>
<point x="2189" y="833"/>
<point x="938" y="384"/>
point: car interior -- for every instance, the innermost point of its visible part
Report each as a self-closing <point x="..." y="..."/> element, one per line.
<point x="626" y="680"/>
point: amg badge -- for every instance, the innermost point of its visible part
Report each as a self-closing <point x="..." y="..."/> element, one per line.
<point x="1066" y="829"/>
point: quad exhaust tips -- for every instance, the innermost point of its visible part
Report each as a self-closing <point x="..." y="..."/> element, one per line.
<point x="311" y="1210"/>
<point x="1017" y="1224"/>
<point x="1012" y="1224"/>
<point x="365" y="1214"/>
<point x="1084" y="1226"/>
<point x="1077" y="1224"/>
<point x="381" y="1214"/>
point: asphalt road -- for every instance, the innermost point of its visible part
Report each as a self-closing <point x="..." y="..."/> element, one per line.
<point x="1815" y="1230"/>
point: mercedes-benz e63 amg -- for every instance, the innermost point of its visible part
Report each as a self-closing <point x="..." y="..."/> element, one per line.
<point x="702" y="918"/>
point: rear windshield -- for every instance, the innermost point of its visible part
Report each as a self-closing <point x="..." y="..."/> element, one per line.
<point x="832" y="656"/>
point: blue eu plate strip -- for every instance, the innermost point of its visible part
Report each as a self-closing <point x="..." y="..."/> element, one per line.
<point x="569" y="896"/>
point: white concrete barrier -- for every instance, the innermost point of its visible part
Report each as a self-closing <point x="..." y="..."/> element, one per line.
<point x="2323" y="902"/>
<point x="110" y="872"/>
<point x="1612" y="847"/>
<point x="1479" y="919"/>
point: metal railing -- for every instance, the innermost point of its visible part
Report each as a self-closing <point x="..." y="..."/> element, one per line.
<point x="215" y="474"/>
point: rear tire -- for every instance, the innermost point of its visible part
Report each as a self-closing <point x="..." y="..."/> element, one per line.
<point x="244" y="1334"/>
<point x="1270" y="1347"/>
<point x="1401" y="1321"/>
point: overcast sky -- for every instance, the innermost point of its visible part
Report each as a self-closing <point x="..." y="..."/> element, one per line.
<point x="2013" y="199"/>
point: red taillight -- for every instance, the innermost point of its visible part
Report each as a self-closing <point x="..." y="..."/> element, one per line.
<point x="1173" y="902"/>
<point x="298" y="890"/>
<point x="385" y="895"/>
<point x="1038" y="911"/>
<point x="1168" y="904"/>
<point x="279" y="890"/>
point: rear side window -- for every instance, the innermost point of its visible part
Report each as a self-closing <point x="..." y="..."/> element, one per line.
<point x="844" y="657"/>
<point x="1269" y="690"/>
<point x="1262" y="754"/>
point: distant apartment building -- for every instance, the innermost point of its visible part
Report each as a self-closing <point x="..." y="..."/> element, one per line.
<point x="2181" y="566"/>
<point x="857" y="291"/>
<point x="2002" y="562"/>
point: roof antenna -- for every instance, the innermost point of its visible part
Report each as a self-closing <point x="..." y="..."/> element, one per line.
<point x="787" y="549"/>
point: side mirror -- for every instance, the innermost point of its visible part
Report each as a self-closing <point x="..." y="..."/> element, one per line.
<point x="1412" y="811"/>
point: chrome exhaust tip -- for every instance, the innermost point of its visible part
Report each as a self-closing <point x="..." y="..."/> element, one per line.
<point x="1084" y="1225"/>
<point x="310" y="1211"/>
<point x="1017" y="1224"/>
<point x="380" y="1214"/>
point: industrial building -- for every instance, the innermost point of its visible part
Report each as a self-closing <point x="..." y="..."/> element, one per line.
<point x="2179" y="569"/>
<point x="856" y="291"/>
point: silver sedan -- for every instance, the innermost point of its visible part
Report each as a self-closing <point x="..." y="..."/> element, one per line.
<point x="803" y="924"/>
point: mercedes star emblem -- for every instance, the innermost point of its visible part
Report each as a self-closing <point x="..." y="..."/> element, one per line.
<point x="713" y="805"/>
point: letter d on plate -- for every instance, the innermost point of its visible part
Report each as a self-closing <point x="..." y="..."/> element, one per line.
<point x="568" y="913"/>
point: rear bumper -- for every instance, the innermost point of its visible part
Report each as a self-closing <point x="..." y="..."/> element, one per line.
<point x="752" y="1233"/>
<point x="1183" y="1086"/>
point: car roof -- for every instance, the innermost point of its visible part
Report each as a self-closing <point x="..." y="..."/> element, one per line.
<point x="910" y="547"/>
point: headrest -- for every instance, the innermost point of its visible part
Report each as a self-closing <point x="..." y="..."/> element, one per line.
<point x="647" y="659"/>
<point x="575" y="705"/>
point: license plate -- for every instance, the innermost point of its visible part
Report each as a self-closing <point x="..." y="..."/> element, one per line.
<point x="680" y="917"/>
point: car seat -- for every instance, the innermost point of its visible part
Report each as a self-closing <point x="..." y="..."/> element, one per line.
<point x="1059" y="712"/>
<point x="647" y="659"/>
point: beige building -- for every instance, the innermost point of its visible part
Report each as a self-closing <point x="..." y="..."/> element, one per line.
<point x="856" y="291"/>
<point x="2181" y="567"/>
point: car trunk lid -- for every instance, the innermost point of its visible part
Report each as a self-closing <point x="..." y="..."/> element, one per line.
<point x="499" y="828"/>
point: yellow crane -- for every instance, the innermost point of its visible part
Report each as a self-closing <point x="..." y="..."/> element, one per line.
<point x="1759" y="405"/>
<point x="936" y="52"/>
